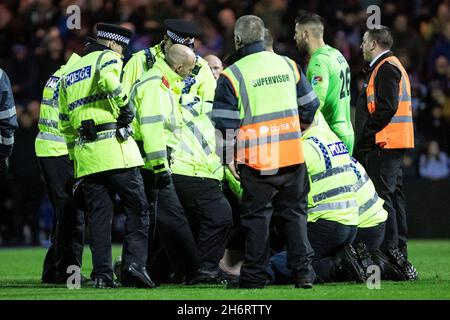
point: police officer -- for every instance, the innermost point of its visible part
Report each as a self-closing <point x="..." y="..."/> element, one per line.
<point x="67" y="235"/>
<point x="329" y="75"/>
<point x="200" y="81"/>
<point x="265" y="104"/>
<point x="196" y="168"/>
<point x="332" y="206"/>
<point x="159" y="116"/>
<point x="95" y="119"/>
<point x="8" y="120"/>
<point x="384" y="130"/>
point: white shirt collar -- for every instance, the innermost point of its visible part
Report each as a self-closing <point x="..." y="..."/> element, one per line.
<point x="376" y="58"/>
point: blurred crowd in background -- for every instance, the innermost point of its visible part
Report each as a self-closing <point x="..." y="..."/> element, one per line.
<point x="35" y="42"/>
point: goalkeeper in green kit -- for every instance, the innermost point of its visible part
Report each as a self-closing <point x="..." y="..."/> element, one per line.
<point x="329" y="75"/>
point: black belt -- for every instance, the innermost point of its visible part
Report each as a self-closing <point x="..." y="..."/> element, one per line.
<point x="106" y="126"/>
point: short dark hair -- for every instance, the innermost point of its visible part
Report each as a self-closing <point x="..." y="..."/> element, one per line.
<point x="305" y="17"/>
<point x="382" y="35"/>
<point x="317" y="21"/>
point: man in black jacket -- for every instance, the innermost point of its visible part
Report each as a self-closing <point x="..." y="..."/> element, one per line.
<point x="8" y="120"/>
<point x="385" y="102"/>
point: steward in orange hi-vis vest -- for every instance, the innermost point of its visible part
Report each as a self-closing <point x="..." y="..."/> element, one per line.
<point x="260" y="100"/>
<point x="399" y="133"/>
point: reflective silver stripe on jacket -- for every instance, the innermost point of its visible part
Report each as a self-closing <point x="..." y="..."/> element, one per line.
<point x="401" y="119"/>
<point x="332" y="193"/>
<point x="307" y="98"/>
<point x="333" y="206"/>
<point x="361" y="182"/>
<point x="151" y="119"/>
<point x="48" y="123"/>
<point x="50" y="136"/>
<point x="8" y="113"/>
<point x="156" y="155"/>
<point x="369" y="203"/>
<point x="331" y="172"/>
<point x="226" y="114"/>
<point x="243" y="94"/>
<point x="50" y="102"/>
<point x="100" y="136"/>
<point x="199" y="136"/>
<point x="6" y="141"/>
<point x="269" y="139"/>
<point x="272" y="116"/>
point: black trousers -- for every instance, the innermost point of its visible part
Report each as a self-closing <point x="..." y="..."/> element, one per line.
<point x="385" y="168"/>
<point x="172" y="234"/>
<point x="67" y="236"/>
<point x="372" y="237"/>
<point x="326" y="238"/>
<point x="286" y="194"/>
<point x="210" y="216"/>
<point x="99" y="191"/>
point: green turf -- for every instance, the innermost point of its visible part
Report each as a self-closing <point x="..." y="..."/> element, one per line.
<point x="20" y="273"/>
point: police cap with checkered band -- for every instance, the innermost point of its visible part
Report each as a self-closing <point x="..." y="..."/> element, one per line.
<point x="113" y="32"/>
<point x="181" y="31"/>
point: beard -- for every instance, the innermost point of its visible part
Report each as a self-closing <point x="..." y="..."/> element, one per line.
<point x="302" y="45"/>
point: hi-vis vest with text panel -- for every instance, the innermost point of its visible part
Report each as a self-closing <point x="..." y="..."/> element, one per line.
<point x="91" y="90"/>
<point x="399" y="133"/>
<point x="331" y="175"/>
<point x="269" y="134"/>
<point x="49" y="141"/>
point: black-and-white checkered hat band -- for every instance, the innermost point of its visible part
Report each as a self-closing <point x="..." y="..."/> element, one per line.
<point x="113" y="36"/>
<point x="179" y="39"/>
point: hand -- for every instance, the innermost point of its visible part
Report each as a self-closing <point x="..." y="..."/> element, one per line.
<point x="125" y="117"/>
<point x="232" y="167"/>
<point x="161" y="180"/>
<point x="123" y="133"/>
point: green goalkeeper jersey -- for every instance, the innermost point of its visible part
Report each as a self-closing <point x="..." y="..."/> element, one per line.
<point x="329" y="74"/>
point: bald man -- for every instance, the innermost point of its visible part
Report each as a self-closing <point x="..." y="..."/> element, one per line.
<point x="215" y="64"/>
<point x="190" y="184"/>
<point x="157" y="118"/>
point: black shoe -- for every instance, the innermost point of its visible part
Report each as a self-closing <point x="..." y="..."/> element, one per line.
<point x="398" y="259"/>
<point x="244" y="285"/>
<point x="346" y="266"/>
<point x="134" y="275"/>
<point x="304" y="281"/>
<point x="102" y="283"/>
<point x="364" y="257"/>
<point x="389" y="271"/>
<point x="205" y="276"/>
<point x="227" y="277"/>
<point x="63" y="280"/>
<point x="117" y="267"/>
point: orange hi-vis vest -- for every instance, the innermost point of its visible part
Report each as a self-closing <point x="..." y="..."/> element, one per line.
<point x="269" y="134"/>
<point x="399" y="133"/>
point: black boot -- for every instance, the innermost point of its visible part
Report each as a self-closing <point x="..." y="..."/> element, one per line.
<point x="133" y="275"/>
<point x="304" y="280"/>
<point x="346" y="266"/>
<point x="398" y="259"/>
<point x="389" y="271"/>
<point x="364" y="257"/>
<point x="103" y="283"/>
<point x="205" y="276"/>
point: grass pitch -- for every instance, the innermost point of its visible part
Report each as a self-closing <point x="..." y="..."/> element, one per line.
<point x="20" y="271"/>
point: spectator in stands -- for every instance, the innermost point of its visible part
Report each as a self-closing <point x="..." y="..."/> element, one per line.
<point x="434" y="164"/>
